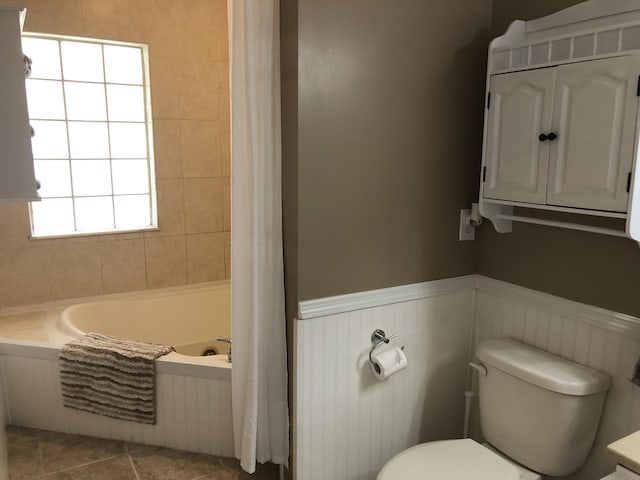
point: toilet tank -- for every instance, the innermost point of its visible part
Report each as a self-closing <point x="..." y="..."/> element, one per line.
<point x="539" y="409"/>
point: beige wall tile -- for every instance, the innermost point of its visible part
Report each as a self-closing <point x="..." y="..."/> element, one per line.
<point x="167" y="148"/>
<point x="26" y="276"/>
<point x="201" y="148"/>
<point x="200" y="107"/>
<point x="227" y="255"/>
<point x="107" y="19"/>
<point x="155" y="23"/>
<point x="59" y="16"/>
<point x="205" y="257"/>
<point x="188" y="47"/>
<point x="77" y="270"/>
<point x="166" y="82"/>
<point x="226" y="204"/>
<point x="170" y="208"/>
<point x="123" y="266"/>
<point x="220" y="50"/>
<point x="203" y="205"/>
<point x="166" y="261"/>
<point x="201" y="77"/>
<point x="222" y="77"/>
<point x="224" y="110"/>
<point x="199" y="19"/>
<point x="198" y="14"/>
<point x="225" y="148"/>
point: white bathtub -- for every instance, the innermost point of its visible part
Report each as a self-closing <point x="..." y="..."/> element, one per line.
<point x="188" y="319"/>
<point x="193" y="392"/>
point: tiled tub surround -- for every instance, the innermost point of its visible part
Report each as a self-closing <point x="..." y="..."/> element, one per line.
<point x="346" y="424"/>
<point x="37" y="454"/>
<point x="188" y="49"/>
<point x="193" y="393"/>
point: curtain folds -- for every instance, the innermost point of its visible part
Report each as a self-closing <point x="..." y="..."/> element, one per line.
<point x="259" y="374"/>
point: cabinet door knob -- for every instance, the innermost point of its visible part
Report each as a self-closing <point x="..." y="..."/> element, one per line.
<point x="552" y="136"/>
<point x="542" y="137"/>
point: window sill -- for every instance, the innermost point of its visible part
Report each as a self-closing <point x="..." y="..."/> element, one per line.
<point x="94" y="234"/>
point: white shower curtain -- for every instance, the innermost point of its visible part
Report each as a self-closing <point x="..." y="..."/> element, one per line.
<point x="259" y="374"/>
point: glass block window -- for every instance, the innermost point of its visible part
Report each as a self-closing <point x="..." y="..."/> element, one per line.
<point x="89" y="108"/>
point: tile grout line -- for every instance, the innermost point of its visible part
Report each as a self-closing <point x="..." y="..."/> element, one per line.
<point x="76" y="469"/>
<point x="79" y="465"/>
<point x="135" y="472"/>
<point x="40" y="453"/>
<point x="208" y="475"/>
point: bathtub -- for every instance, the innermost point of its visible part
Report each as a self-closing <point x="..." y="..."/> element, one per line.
<point x="193" y="392"/>
<point x="187" y="319"/>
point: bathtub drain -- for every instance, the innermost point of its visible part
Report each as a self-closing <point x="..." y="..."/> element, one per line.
<point x="208" y="351"/>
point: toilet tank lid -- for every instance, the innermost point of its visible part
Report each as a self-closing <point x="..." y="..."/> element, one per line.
<point x="542" y="369"/>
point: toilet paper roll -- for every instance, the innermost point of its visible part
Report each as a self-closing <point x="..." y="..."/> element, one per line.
<point x="387" y="362"/>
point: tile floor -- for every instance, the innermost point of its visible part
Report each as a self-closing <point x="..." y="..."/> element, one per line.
<point x="38" y="454"/>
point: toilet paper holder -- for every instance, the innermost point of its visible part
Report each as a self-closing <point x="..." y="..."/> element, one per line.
<point x="378" y="338"/>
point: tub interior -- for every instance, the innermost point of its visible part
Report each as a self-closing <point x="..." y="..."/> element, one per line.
<point x="188" y="320"/>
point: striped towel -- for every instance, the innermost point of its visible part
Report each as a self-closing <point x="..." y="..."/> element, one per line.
<point x="110" y="376"/>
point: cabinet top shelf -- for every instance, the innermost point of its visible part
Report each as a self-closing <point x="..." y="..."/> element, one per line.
<point x="587" y="31"/>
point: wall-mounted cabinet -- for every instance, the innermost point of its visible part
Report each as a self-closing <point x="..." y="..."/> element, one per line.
<point x="561" y="121"/>
<point x="17" y="179"/>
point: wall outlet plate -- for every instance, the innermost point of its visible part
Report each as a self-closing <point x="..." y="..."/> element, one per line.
<point x="467" y="232"/>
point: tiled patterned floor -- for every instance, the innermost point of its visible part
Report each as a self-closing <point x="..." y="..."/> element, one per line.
<point x="36" y="454"/>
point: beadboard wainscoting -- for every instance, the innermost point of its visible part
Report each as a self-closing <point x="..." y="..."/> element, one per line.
<point x="346" y="423"/>
<point x="601" y="339"/>
<point x="194" y="403"/>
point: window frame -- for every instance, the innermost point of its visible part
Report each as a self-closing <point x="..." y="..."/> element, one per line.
<point x="148" y="124"/>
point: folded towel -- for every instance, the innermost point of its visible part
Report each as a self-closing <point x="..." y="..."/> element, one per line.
<point x="110" y="376"/>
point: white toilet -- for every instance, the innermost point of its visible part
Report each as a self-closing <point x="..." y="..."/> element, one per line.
<point x="539" y="414"/>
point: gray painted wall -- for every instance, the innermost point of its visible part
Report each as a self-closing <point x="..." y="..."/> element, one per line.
<point x="382" y="125"/>
<point x="388" y="111"/>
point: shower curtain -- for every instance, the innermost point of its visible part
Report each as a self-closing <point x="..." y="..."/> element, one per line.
<point x="259" y="374"/>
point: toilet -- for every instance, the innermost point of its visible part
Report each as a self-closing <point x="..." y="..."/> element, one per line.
<point x="539" y="415"/>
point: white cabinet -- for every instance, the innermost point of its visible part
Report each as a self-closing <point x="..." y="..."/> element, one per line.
<point x="564" y="136"/>
<point x="17" y="179"/>
<point x="561" y="130"/>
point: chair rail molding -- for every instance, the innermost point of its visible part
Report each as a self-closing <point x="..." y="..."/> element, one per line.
<point x="322" y="307"/>
<point x="601" y="317"/>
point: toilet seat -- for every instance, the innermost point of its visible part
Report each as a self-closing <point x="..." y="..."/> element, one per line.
<point x="462" y="459"/>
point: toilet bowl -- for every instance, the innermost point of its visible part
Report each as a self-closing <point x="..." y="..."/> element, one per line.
<point x="463" y="459"/>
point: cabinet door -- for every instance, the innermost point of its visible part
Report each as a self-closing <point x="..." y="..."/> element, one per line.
<point x="595" y="119"/>
<point x="516" y="160"/>
<point x="17" y="181"/>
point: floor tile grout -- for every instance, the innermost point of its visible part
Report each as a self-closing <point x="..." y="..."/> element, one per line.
<point x="34" y="449"/>
<point x="133" y="466"/>
<point x="79" y="465"/>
